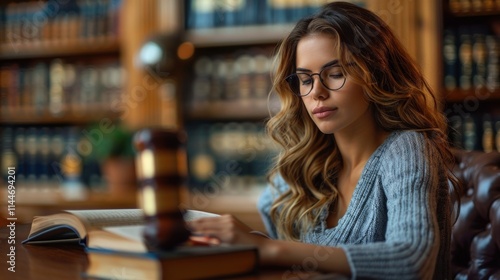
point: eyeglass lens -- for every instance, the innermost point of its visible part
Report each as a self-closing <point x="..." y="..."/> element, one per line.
<point x="331" y="77"/>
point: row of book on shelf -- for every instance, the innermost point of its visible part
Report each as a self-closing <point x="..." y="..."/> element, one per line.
<point x="228" y="156"/>
<point x="471" y="58"/>
<point x="201" y="14"/>
<point x="467" y="6"/>
<point x="241" y="75"/>
<point x="60" y="86"/>
<point x="32" y="22"/>
<point x="46" y="158"/>
<point x="475" y="132"/>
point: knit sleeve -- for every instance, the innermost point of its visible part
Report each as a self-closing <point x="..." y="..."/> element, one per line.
<point x="265" y="202"/>
<point x="410" y="183"/>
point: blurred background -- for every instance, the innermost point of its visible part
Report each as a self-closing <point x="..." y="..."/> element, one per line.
<point x="79" y="77"/>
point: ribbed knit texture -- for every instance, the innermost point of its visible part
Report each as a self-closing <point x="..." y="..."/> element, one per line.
<point x="397" y="225"/>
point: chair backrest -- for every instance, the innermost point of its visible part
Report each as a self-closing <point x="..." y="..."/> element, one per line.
<point x="475" y="247"/>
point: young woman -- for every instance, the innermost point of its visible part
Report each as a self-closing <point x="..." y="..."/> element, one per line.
<point x="361" y="186"/>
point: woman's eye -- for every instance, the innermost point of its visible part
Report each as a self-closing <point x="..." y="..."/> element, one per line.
<point x="306" y="81"/>
<point x="336" y="76"/>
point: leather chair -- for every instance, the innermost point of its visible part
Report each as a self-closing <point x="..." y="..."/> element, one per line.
<point x="475" y="246"/>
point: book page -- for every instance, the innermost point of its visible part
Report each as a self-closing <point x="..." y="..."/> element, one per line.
<point x="131" y="232"/>
<point x="123" y="238"/>
<point x="112" y="217"/>
<point x="191" y="215"/>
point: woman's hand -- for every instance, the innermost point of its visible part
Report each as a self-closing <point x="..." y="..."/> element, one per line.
<point x="226" y="229"/>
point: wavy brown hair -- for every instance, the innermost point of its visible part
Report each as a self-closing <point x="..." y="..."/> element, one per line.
<point x="399" y="97"/>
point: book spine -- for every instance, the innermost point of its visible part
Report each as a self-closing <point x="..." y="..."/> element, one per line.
<point x="465" y="5"/>
<point x="262" y="83"/>
<point x="32" y="158"/>
<point x="20" y="150"/>
<point x="57" y="144"/>
<point x="492" y="62"/>
<point x="229" y="13"/>
<point x="479" y="54"/>
<point x="477" y="5"/>
<point x="488" y="5"/>
<point x="8" y="157"/>
<point x="13" y="88"/>
<point x="245" y="69"/>
<point x="40" y="87"/>
<point x="201" y="14"/>
<point x="229" y="77"/>
<point x="218" y="79"/>
<point x="43" y="169"/>
<point x="4" y="89"/>
<point x="202" y="82"/>
<point x="497" y="135"/>
<point x="470" y="134"/>
<point x="488" y="137"/>
<point x="465" y="57"/>
<point x="450" y="60"/>
<point x="202" y="163"/>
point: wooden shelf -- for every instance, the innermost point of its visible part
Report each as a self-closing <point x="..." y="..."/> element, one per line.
<point x="483" y="94"/>
<point x="79" y="116"/>
<point x="59" y="49"/>
<point x="229" y="110"/>
<point x="234" y="36"/>
<point x="494" y="12"/>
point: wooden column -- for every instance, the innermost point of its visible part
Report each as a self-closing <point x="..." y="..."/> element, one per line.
<point x="148" y="99"/>
<point x="416" y="24"/>
<point x="430" y="42"/>
<point x="401" y="17"/>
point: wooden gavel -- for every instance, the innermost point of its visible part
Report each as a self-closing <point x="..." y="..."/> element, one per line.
<point x="161" y="171"/>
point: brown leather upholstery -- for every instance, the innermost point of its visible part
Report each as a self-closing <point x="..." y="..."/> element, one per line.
<point x="475" y="246"/>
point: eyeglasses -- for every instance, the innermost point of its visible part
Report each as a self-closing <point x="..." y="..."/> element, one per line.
<point x="331" y="77"/>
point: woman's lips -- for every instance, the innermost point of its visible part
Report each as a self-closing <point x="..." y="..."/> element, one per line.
<point x="323" y="112"/>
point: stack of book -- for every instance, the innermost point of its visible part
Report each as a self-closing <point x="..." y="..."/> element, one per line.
<point x="115" y="248"/>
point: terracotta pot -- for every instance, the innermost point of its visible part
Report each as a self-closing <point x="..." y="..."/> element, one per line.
<point x="119" y="174"/>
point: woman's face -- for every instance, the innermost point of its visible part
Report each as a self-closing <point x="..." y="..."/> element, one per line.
<point x="332" y="111"/>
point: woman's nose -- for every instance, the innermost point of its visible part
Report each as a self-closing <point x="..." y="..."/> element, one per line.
<point x="318" y="91"/>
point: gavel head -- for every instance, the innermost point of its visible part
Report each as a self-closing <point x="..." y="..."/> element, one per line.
<point x="161" y="171"/>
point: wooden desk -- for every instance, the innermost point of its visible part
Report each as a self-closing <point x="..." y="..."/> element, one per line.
<point x="69" y="261"/>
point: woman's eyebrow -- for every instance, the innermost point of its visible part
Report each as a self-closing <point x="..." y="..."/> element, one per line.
<point x="331" y="63"/>
<point x="302" y="70"/>
<point x="328" y="64"/>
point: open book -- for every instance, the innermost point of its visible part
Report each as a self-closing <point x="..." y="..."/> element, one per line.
<point x="116" y="229"/>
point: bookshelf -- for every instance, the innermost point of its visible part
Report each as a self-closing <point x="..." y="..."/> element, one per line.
<point x="419" y="25"/>
<point x="229" y="83"/>
<point x="229" y="152"/>
<point x="469" y="34"/>
<point x="68" y="79"/>
<point x="232" y="50"/>
<point x="60" y="66"/>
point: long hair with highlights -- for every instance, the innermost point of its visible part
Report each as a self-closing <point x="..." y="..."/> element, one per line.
<point x="399" y="98"/>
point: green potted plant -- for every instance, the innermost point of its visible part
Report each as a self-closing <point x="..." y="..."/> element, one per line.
<point x="113" y="149"/>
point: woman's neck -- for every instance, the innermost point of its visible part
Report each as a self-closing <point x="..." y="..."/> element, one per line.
<point x="356" y="147"/>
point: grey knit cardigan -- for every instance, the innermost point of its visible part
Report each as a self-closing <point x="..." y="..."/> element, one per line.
<point x="397" y="225"/>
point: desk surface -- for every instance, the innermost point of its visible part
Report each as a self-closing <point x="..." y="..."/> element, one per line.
<point x="69" y="261"/>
